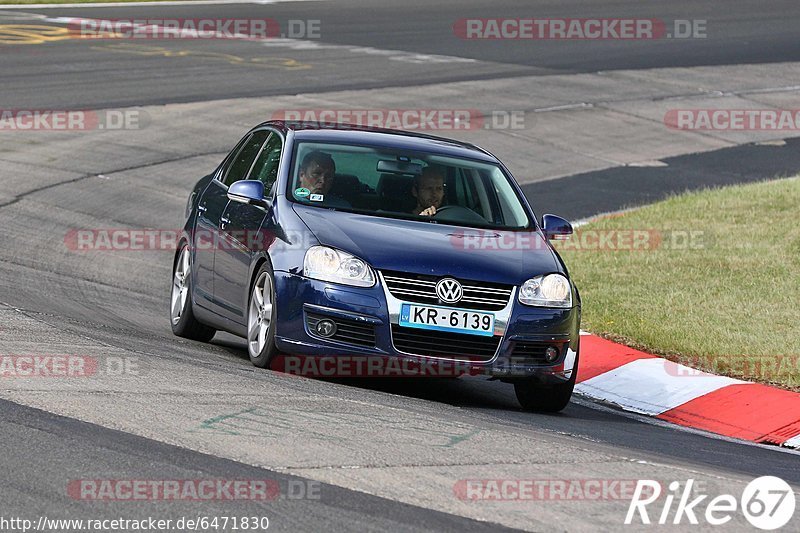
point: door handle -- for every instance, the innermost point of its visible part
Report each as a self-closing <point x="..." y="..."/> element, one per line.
<point x="224" y="221"/>
<point x="202" y="208"/>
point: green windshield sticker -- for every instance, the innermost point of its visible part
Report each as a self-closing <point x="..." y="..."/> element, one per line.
<point x="302" y="192"/>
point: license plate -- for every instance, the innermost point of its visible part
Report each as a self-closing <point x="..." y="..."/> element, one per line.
<point x="447" y="319"/>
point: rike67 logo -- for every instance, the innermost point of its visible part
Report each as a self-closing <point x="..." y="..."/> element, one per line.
<point x="767" y="502"/>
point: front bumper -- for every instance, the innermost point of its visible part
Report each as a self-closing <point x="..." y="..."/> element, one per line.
<point x="373" y="309"/>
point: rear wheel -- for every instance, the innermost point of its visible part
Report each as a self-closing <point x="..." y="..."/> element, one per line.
<point x="182" y="319"/>
<point x="261" y="321"/>
<point x="534" y="396"/>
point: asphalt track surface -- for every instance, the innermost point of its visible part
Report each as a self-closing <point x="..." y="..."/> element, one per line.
<point x="71" y="74"/>
<point x="615" y="189"/>
<point x="121" y="304"/>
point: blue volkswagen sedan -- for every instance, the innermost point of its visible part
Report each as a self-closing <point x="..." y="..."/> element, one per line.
<point x="323" y="241"/>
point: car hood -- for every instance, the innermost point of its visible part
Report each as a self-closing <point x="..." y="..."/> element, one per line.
<point x="509" y="257"/>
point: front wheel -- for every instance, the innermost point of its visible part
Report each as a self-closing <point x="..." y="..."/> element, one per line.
<point x="261" y="320"/>
<point x="182" y="319"/>
<point x="538" y="397"/>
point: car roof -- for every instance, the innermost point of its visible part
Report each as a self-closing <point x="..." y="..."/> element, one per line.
<point x="370" y="136"/>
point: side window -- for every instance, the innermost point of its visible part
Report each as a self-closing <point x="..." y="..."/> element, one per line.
<point x="266" y="167"/>
<point x="242" y="162"/>
<point x="226" y="163"/>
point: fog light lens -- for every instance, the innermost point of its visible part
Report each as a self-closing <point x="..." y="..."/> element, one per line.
<point x="551" y="354"/>
<point x="326" y="328"/>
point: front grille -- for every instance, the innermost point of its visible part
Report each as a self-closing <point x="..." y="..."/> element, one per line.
<point x="532" y="352"/>
<point x="421" y="288"/>
<point x="349" y="331"/>
<point x="444" y="344"/>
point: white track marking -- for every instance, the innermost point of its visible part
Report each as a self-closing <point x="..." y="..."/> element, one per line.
<point x="794" y="442"/>
<point x="652" y="386"/>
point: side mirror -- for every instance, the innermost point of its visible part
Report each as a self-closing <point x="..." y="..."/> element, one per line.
<point x="248" y="192"/>
<point x="556" y="227"/>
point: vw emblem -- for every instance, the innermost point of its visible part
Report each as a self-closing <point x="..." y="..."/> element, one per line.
<point x="449" y="290"/>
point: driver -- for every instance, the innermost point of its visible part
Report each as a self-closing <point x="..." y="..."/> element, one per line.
<point x="428" y="189"/>
<point x="317" y="174"/>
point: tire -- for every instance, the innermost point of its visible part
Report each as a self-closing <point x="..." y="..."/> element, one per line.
<point x="536" y="397"/>
<point x="182" y="319"/>
<point x="261" y="318"/>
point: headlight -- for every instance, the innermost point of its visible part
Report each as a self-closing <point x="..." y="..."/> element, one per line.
<point x="327" y="264"/>
<point x="552" y="290"/>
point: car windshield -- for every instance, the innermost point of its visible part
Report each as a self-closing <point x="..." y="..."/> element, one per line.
<point x="402" y="184"/>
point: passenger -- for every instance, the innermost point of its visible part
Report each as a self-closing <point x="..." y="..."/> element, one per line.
<point x="428" y="189"/>
<point x="317" y="174"/>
